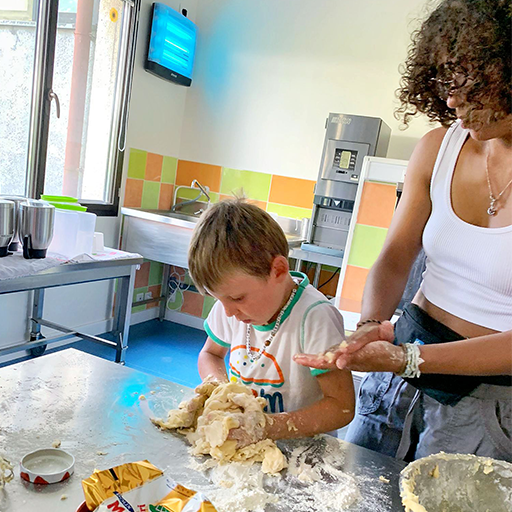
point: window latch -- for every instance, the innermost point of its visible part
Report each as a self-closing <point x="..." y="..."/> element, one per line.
<point x="53" y="96"/>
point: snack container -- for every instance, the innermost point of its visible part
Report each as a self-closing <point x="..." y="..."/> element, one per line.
<point x="47" y="466"/>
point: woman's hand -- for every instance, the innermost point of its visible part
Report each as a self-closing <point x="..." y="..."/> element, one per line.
<point x="377" y="356"/>
<point x="366" y="334"/>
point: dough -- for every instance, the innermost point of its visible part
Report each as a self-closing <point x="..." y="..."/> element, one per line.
<point x="6" y="474"/>
<point x="207" y="418"/>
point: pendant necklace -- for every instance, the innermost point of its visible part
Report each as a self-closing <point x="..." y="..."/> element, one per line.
<point x="258" y="353"/>
<point x="492" y="210"/>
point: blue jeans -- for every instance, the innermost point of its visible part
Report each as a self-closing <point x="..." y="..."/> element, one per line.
<point x="398" y="419"/>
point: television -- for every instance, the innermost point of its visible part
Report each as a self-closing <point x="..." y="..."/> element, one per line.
<point x="172" y="44"/>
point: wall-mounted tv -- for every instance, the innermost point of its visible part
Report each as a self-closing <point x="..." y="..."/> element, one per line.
<point x="172" y="44"/>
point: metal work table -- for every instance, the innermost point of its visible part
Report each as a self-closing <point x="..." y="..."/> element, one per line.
<point x="92" y="406"/>
<point x="120" y="268"/>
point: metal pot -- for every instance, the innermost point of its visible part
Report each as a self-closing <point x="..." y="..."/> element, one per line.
<point x="6" y="225"/>
<point x="15" y="242"/>
<point x="36" y="228"/>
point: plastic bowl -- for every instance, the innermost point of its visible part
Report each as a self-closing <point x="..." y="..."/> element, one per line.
<point x="456" y="483"/>
<point x="47" y="466"/>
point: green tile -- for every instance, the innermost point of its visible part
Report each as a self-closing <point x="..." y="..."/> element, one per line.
<point x="137" y="163"/>
<point x="292" y="212"/>
<point x="169" y="166"/>
<point x="155" y="273"/>
<point x="150" y="193"/>
<point x="175" y="302"/>
<point x="254" y="185"/>
<point x="207" y="305"/>
<point x="136" y="309"/>
<point x="366" y="245"/>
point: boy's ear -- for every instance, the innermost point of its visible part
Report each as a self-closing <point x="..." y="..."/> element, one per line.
<point x="280" y="268"/>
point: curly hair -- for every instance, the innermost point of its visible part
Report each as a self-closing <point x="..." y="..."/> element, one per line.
<point x="469" y="37"/>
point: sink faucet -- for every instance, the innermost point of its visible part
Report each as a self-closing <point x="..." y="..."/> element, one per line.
<point x="203" y="190"/>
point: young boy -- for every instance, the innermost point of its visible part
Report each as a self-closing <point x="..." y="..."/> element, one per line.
<point x="265" y="314"/>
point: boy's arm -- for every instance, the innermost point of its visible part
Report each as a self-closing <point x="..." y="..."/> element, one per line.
<point x="333" y="411"/>
<point x="211" y="361"/>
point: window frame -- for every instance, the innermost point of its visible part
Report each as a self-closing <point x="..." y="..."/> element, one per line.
<point x="41" y="108"/>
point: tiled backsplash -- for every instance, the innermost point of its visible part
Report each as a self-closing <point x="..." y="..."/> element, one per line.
<point x="373" y="220"/>
<point x="150" y="184"/>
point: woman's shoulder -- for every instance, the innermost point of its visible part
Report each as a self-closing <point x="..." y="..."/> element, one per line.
<point x="423" y="158"/>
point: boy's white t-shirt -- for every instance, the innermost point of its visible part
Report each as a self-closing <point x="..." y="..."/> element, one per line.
<point x="310" y="324"/>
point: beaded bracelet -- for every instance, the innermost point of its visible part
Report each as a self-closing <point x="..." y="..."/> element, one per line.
<point x="369" y="321"/>
<point x="411" y="369"/>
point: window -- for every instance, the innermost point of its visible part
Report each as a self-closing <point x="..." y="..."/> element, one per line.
<point x="65" y="69"/>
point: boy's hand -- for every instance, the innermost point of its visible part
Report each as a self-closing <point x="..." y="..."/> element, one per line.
<point x="251" y="429"/>
<point x="368" y="333"/>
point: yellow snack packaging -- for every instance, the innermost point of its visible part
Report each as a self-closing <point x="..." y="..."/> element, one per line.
<point x="140" y="487"/>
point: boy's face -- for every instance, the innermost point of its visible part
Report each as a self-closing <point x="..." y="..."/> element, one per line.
<point x="253" y="300"/>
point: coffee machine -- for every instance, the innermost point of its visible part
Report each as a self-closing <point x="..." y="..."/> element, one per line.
<point x="348" y="139"/>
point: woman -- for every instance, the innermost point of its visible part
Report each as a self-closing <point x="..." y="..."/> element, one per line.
<point x="445" y="382"/>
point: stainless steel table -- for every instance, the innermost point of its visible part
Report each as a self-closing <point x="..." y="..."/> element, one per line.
<point x="122" y="269"/>
<point x="92" y="406"/>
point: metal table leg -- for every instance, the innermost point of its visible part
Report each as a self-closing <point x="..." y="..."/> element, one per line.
<point x="35" y="327"/>
<point x="165" y="294"/>
<point x="123" y="313"/>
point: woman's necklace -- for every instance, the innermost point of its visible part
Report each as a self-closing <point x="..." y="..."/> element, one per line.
<point x="258" y="353"/>
<point x="492" y="210"/>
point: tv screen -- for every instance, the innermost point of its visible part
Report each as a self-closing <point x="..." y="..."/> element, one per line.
<point x="172" y="43"/>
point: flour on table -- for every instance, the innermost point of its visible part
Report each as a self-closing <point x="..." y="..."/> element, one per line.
<point x="207" y="418"/>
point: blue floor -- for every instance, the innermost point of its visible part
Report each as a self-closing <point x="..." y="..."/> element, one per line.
<point x="164" y="349"/>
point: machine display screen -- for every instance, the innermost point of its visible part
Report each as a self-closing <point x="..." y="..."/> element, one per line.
<point x="344" y="160"/>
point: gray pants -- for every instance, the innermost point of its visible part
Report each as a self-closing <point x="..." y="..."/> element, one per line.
<point x="396" y="419"/>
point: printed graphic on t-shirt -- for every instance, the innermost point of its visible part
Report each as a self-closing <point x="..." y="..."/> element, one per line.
<point x="251" y="373"/>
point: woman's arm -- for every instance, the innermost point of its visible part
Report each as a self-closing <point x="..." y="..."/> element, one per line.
<point x="211" y="361"/>
<point x="387" y="279"/>
<point x="388" y="276"/>
<point x="480" y="356"/>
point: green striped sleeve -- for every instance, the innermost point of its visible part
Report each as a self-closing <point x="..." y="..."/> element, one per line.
<point x="316" y="372"/>
<point x="213" y="337"/>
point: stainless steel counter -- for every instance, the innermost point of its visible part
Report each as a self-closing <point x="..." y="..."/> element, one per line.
<point x="92" y="406"/>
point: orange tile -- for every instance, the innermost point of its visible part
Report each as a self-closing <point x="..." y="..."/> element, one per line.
<point x="156" y="290"/>
<point x="208" y="175"/>
<point x="350" y="305"/>
<point x="192" y="304"/>
<point x="142" y="275"/>
<point x="133" y="193"/>
<point x="178" y="270"/>
<point x="261" y="204"/>
<point x="353" y="284"/>
<point x="292" y="191"/>
<point x="377" y="205"/>
<point x="165" y="199"/>
<point x="154" y="167"/>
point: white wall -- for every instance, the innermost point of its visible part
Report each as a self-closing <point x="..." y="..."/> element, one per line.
<point x="267" y="73"/>
<point x="156" y="118"/>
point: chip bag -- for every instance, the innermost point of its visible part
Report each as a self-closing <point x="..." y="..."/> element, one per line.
<point x="140" y="487"/>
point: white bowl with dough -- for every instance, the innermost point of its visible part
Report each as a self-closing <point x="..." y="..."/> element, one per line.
<point x="47" y="466"/>
<point x="456" y="483"/>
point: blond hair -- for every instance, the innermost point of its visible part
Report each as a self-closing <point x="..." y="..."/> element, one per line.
<point x="234" y="235"/>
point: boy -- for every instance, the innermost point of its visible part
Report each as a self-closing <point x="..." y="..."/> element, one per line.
<point x="263" y="316"/>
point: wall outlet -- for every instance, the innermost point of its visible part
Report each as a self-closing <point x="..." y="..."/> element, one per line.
<point x="149" y="295"/>
<point x="139" y="297"/>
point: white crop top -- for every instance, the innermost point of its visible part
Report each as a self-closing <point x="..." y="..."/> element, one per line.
<point x="468" y="268"/>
